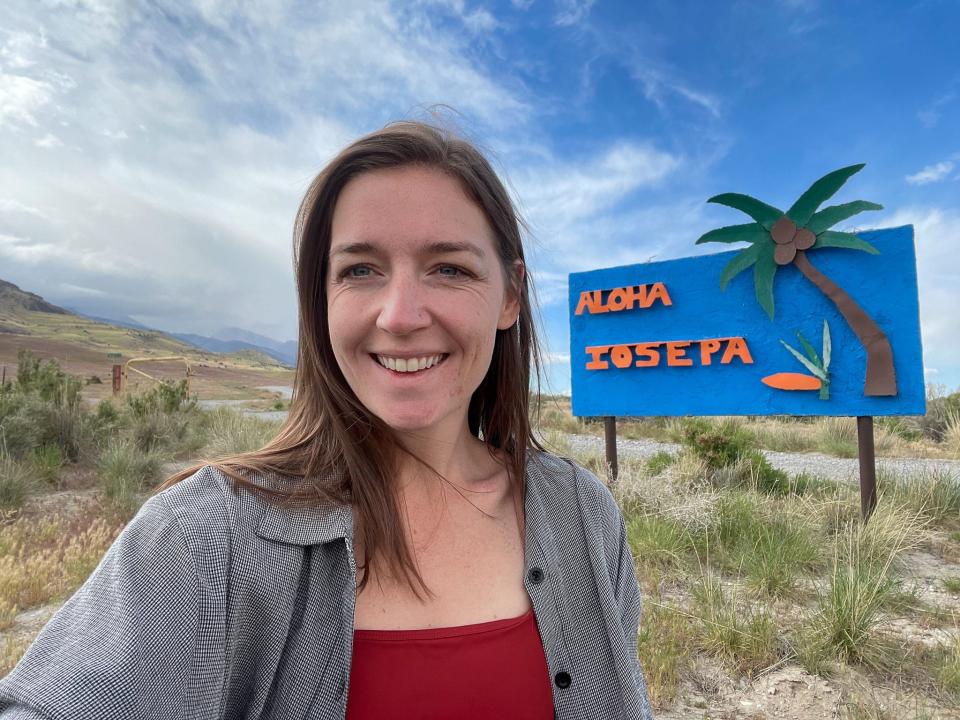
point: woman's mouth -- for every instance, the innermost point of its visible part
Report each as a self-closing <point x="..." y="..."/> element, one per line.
<point x="410" y="364"/>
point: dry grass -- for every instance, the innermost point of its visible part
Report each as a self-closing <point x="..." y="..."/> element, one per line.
<point x="42" y="560"/>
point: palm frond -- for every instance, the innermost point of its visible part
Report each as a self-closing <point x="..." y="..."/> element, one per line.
<point x="828" y="217"/>
<point x="818" y="193"/>
<point x="815" y="369"/>
<point x="834" y="239"/>
<point x="764" y="271"/>
<point x="808" y="348"/>
<point x="764" y="214"/>
<point x="750" y="232"/>
<point x="740" y="262"/>
<point x="827" y="346"/>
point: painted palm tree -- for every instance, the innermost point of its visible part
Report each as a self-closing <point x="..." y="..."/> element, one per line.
<point x="780" y="238"/>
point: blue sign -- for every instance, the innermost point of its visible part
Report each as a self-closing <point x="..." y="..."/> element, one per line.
<point x="663" y="339"/>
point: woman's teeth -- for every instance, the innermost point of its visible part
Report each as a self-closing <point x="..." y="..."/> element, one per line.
<point x="409" y="364"/>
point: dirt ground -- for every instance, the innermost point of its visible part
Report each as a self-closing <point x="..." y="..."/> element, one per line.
<point x="211" y="376"/>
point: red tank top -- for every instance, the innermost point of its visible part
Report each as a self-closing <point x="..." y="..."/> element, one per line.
<point x="494" y="669"/>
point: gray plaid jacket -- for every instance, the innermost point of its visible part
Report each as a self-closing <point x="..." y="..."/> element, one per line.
<point x="215" y="604"/>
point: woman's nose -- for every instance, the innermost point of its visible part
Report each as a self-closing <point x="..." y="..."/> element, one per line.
<point x="403" y="309"/>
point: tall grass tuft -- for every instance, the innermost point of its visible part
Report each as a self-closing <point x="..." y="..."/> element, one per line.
<point x="125" y="472"/>
<point x="229" y="432"/>
<point x="862" y="581"/>
<point x="664" y="648"/>
<point x="948" y="672"/>
<point x="837" y="436"/>
<point x="771" y="549"/>
<point x="744" y="638"/>
<point x="934" y="492"/>
<point x="17" y="482"/>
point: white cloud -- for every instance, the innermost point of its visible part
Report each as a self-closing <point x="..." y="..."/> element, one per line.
<point x="20" y="99"/>
<point x="938" y="267"/>
<point x="657" y="85"/>
<point x="931" y="173"/>
<point x="48" y="141"/>
<point x="572" y="12"/>
<point x="930" y="115"/>
<point x="77" y="290"/>
<point x="557" y="193"/>
<point x="10" y="205"/>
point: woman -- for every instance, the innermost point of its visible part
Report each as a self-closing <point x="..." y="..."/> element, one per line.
<point x="504" y="585"/>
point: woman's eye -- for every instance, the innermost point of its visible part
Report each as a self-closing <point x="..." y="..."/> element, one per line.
<point x="451" y="271"/>
<point x="356" y="271"/>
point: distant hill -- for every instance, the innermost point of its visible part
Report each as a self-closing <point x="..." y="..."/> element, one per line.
<point x="226" y="340"/>
<point x="13" y="299"/>
<point x="27" y="321"/>
<point x="235" y="346"/>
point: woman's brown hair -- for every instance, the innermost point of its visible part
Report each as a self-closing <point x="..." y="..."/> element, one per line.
<point x="331" y="449"/>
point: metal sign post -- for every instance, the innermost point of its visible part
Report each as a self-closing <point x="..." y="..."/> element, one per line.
<point x="868" y="466"/>
<point x="610" y="441"/>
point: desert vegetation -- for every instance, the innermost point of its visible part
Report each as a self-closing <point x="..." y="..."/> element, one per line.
<point x="754" y="579"/>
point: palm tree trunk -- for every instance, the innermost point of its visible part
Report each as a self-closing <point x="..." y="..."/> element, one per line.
<point x="881" y="378"/>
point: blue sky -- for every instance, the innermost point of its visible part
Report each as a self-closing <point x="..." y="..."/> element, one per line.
<point x="154" y="153"/>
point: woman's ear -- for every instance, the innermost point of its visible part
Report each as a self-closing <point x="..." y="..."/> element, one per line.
<point x="511" y="296"/>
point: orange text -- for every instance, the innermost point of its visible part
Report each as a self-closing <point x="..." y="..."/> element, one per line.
<point x="674" y="353"/>
<point x="622" y="298"/>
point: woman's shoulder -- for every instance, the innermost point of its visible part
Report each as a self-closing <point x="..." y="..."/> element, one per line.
<point x="570" y="480"/>
<point x="210" y="505"/>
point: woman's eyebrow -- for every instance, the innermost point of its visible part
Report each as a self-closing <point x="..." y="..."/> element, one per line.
<point x="439" y="248"/>
<point x="434" y="248"/>
<point x="356" y="248"/>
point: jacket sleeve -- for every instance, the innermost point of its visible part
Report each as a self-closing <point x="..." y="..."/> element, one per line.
<point x="125" y="645"/>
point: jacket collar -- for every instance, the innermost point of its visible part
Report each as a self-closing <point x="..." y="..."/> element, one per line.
<point x="306" y="525"/>
<point x="319" y="525"/>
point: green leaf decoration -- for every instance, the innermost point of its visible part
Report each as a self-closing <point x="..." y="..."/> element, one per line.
<point x="806" y="363"/>
<point x="750" y="232"/>
<point x="826" y="346"/>
<point x="818" y="193"/>
<point x="834" y="239"/>
<point x="808" y="348"/>
<point x="828" y="217"/>
<point x="764" y="271"/>
<point x="740" y="262"/>
<point x="764" y="214"/>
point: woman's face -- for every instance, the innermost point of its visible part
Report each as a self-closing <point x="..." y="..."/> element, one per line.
<point x="415" y="295"/>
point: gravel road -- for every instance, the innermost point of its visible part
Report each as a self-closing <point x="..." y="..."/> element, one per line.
<point x="792" y="463"/>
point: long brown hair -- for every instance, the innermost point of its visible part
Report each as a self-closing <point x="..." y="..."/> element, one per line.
<point x="332" y="449"/>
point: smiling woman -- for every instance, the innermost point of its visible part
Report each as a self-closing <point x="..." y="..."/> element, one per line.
<point x="504" y="584"/>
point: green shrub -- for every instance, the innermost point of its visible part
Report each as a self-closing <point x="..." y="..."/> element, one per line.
<point x="658" y="462"/>
<point x="39" y="422"/>
<point x="47" y="460"/>
<point x="719" y="445"/>
<point x="46" y="379"/>
<point x="17" y="482"/>
<point x="107" y="413"/>
<point x="164" y="397"/>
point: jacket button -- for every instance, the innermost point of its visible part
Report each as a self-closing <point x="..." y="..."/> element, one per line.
<point x="562" y="679"/>
<point x="535" y="575"/>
